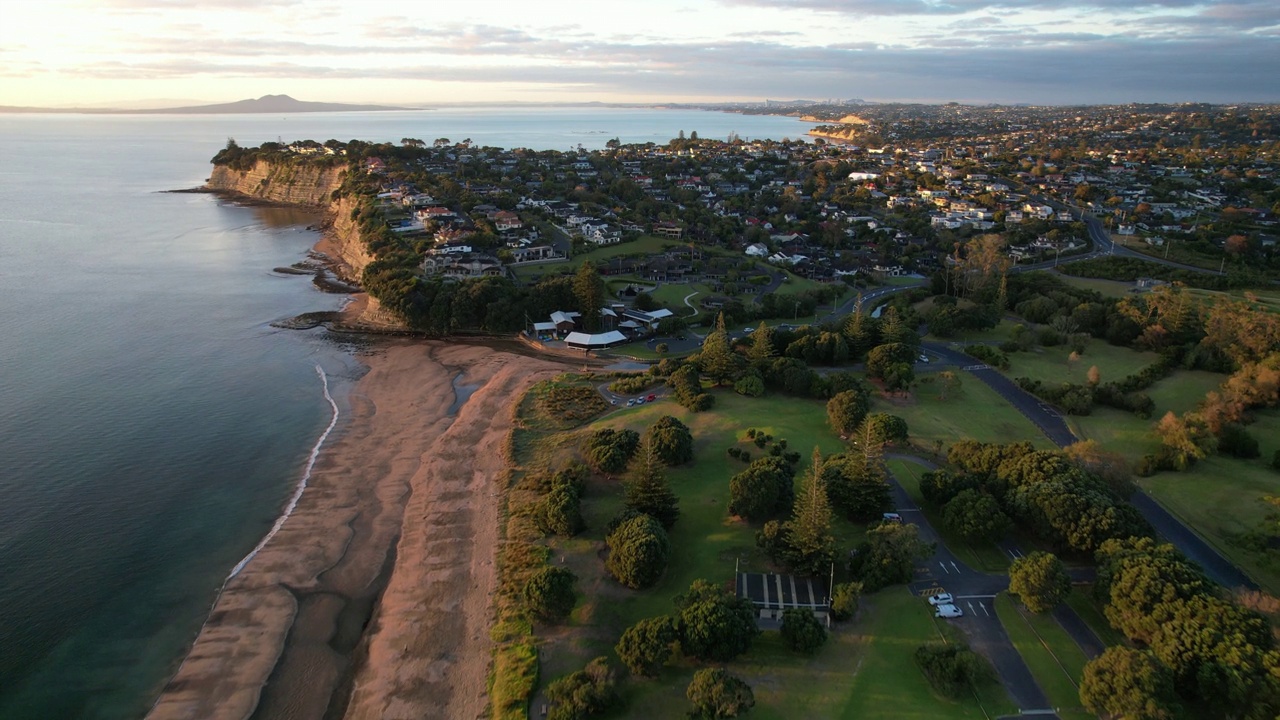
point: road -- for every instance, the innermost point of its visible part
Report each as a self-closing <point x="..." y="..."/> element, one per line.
<point x="1054" y="426"/>
<point x="975" y="594"/>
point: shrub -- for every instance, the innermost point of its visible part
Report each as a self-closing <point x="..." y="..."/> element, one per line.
<point x="801" y="631"/>
<point x="1237" y="442"/>
<point x="549" y="593"/>
<point x="582" y="694"/>
<point x="750" y="386"/>
<point x="631" y="384"/>
<point x="567" y="405"/>
<point x="988" y="355"/>
<point x="844" y="600"/>
<point x="638" y="551"/>
<point x="713" y="624"/>
<point x="951" y="669"/>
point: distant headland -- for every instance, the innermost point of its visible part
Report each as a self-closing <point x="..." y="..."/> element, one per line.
<point x="264" y="104"/>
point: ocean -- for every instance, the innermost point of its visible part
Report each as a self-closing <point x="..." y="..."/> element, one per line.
<point x="153" y="424"/>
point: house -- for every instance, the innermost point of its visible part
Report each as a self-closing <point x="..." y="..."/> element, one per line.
<point x="668" y="230"/>
<point x="758" y="250"/>
<point x="505" y="220"/>
<point x="564" y="321"/>
<point x="647" y="320"/>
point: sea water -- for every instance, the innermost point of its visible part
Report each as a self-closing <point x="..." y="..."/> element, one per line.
<point x="154" y="426"/>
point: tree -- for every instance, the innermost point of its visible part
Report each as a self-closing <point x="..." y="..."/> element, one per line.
<point x="581" y="694"/>
<point x="649" y="493"/>
<point x="717" y="360"/>
<point x="976" y="516"/>
<point x="717" y="694"/>
<point x="889" y="555"/>
<point x="762" y="344"/>
<point x="763" y="490"/>
<point x="883" y="357"/>
<point x="844" y="600"/>
<point x="859" y="489"/>
<point x="714" y="624"/>
<point x="846" y="410"/>
<point x="638" y="551"/>
<point x="801" y="631"/>
<point x="1040" y="580"/>
<point x="608" y="450"/>
<point x="749" y="385"/>
<point x="1128" y="683"/>
<point x="588" y="290"/>
<point x="671" y="440"/>
<point x="549" y="593"/>
<point x="810" y="544"/>
<point x="559" y="512"/>
<point x="890" y="429"/>
<point x="661" y="348"/>
<point x="646" y="646"/>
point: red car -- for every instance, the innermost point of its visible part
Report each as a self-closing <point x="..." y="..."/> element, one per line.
<point x="651" y="398"/>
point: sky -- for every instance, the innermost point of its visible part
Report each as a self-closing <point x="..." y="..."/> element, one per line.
<point x="425" y="52"/>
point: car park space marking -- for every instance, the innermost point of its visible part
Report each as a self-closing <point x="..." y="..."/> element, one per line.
<point x="1014" y="553"/>
<point x="935" y="590"/>
<point x="975" y="597"/>
<point x="944" y="567"/>
<point x="972" y="368"/>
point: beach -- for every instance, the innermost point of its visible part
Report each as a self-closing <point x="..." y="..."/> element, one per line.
<point x="402" y="504"/>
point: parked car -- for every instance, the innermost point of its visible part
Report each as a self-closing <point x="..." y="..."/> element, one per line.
<point x="941" y="599"/>
<point x="651" y="397"/>
<point x="640" y="400"/>
<point x="630" y="403"/>
<point x="924" y="358"/>
<point x="613" y="401"/>
<point x="948" y="611"/>
<point x="892" y="517"/>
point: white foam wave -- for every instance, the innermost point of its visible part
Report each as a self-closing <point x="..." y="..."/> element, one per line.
<point x="302" y="482"/>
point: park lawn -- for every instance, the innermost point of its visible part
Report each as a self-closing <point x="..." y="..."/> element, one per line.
<point x="972" y="411"/>
<point x="1183" y="390"/>
<point x="640" y="351"/>
<point x="1053" y="657"/>
<point x="1108" y="288"/>
<point x="980" y="556"/>
<point x="998" y="334"/>
<point x="794" y="284"/>
<point x="1269" y="299"/>
<point x="1050" y="365"/>
<point x="1221" y="498"/>
<point x="1081" y="600"/>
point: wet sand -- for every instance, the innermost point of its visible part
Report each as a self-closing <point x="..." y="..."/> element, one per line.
<point x="401" y="506"/>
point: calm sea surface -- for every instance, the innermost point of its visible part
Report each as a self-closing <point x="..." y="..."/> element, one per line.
<point x="152" y="422"/>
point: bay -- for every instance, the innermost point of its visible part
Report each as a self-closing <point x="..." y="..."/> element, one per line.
<point x="152" y="422"/>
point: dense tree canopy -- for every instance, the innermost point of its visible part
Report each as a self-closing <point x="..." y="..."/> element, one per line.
<point x="846" y="410"/>
<point x="763" y="490"/>
<point x="717" y="694"/>
<point x="1129" y="683"/>
<point x="713" y="624"/>
<point x="801" y="631"/>
<point x="670" y="440"/>
<point x="549" y="593"/>
<point x="638" y="551"/>
<point x="646" y="646"/>
<point x="1040" y="581"/>
<point x="608" y="450"/>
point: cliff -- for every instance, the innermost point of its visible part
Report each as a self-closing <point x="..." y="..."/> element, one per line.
<point x="313" y="186"/>
<point x="291" y="184"/>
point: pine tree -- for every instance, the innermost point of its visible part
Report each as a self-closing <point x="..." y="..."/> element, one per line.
<point x="1002" y="297"/>
<point x="762" y="343"/>
<point x="810" y="542"/>
<point x="717" y="360"/>
<point x="588" y="290"/>
<point x="650" y="493"/>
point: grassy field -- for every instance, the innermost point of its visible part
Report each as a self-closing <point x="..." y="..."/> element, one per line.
<point x="864" y="671"/>
<point x="1053" y="657"/>
<point x="997" y="334"/>
<point x="1132" y="436"/>
<point x="980" y="556"/>
<point x="1108" y="288"/>
<point x="973" y="411"/>
<point x="1222" y="498"/>
<point x="1050" y="365"/>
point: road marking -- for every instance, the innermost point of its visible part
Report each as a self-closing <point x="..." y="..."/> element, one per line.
<point x="930" y="592"/>
<point x="984" y="609"/>
<point x="1014" y="553"/>
<point x="944" y="567"/>
<point x="953" y="566"/>
<point x="975" y="597"/>
<point x="972" y="368"/>
<point x="970" y="608"/>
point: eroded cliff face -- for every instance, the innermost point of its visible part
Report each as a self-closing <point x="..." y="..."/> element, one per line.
<point x="309" y="185"/>
<point x="313" y="186"/>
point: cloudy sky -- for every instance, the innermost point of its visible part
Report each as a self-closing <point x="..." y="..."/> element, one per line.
<point x="90" y="52"/>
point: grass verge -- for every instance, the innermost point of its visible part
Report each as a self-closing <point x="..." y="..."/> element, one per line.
<point x="1053" y="657"/>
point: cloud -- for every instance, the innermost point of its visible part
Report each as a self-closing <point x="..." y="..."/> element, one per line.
<point x="1053" y="68"/>
<point x="954" y="7"/>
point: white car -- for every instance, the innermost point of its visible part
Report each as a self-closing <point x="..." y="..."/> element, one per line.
<point x="941" y="599"/>
<point x="948" y="611"/>
<point x="924" y="358"/>
<point x="640" y="401"/>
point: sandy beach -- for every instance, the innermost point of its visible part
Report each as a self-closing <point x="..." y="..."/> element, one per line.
<point x="403" y="497"/>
